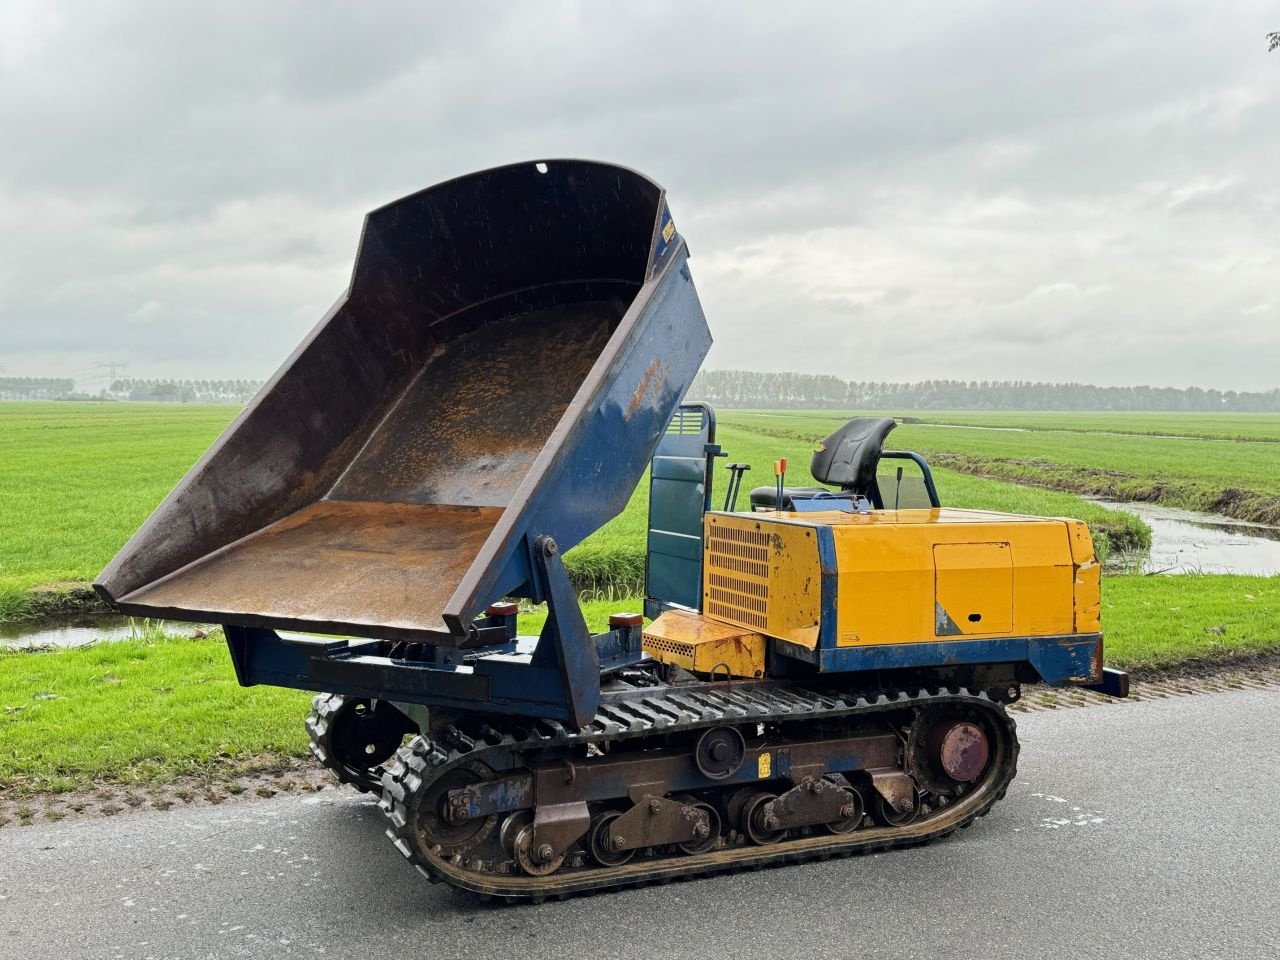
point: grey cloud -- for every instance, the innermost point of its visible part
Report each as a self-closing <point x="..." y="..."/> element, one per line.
<point x="976" y="190"/>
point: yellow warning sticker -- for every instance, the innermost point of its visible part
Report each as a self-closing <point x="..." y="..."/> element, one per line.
<point x="669" y="231"/>
<point x="764" y="766"/>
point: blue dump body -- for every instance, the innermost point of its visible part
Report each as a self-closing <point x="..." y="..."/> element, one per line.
<point x="506" y="358"/>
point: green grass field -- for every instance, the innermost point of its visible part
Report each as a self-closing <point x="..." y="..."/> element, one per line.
<point x="1212" y="426"/>
<point x="76" y="479"/>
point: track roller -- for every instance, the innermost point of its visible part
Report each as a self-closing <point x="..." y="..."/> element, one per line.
<point x="517" y="840"/>
<point x="603" y="851"/>
<point x="761" y="828"/>
<point x="852" y="813"/>
<point x="712" y="828"/>
<point x="893" y="817"/>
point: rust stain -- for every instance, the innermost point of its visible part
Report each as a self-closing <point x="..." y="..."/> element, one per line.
<point x="655" y="377"/>
<point x="339" y="561"/>
<point x="481" y="409"/>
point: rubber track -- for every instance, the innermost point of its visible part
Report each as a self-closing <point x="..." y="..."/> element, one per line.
<point x="671" y="710"/>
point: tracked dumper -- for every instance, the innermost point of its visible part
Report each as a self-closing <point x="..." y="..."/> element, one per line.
<point x="823" y="673"/>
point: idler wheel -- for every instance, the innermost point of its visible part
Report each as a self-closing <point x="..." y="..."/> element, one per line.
<point x="720" y="752"/>
<point x="754" y="824"/>
<point x="353" y="739"/>
<point x="960" y="749"/>
<point x="598" y="841"/>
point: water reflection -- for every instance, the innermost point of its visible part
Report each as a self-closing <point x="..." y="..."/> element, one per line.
<point x="1186" y="541"/>
<point x="77" y="631"/>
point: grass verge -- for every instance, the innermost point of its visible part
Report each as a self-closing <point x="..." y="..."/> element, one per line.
<point x="151" y="710"/>
<point x="1158" y="622"/>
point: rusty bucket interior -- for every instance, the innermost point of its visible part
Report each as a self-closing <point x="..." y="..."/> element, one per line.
<point x="374" y="472"/>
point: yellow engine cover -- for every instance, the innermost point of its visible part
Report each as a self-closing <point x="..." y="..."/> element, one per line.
<point x="705" y="646"/>
<point x="900" y="576"/>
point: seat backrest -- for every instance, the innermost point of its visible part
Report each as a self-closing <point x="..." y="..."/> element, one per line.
<point x="848" y="458"/>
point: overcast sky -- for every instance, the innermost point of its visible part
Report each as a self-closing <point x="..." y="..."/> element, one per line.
<point x="896" y="191"/>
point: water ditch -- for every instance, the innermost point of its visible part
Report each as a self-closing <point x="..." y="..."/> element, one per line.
<point x="83" y="629"/>
<point x="1187" y="541"/>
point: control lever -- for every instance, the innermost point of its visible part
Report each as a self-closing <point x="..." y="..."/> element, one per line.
<point x="736" y="470"/>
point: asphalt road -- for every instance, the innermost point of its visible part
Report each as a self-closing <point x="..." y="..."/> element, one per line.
<point x="1139" y="830"/>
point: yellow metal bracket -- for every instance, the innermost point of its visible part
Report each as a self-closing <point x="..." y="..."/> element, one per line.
<point x="705" y="646"/>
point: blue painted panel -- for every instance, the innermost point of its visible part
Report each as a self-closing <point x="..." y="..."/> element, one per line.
<point x="1067" y="659"/>
<point x="830" y="587"/>
<point x="1059" y="659"/>
<point x="679" y="491"/>
<point x="586" y="477"/>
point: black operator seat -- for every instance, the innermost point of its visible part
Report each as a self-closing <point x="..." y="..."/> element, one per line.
<point x="847" y="459"/>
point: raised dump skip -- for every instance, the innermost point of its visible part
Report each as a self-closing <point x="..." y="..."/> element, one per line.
<point x="503" y="364"/>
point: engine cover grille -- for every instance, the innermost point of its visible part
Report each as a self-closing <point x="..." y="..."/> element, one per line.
<point x="738" y="575"/>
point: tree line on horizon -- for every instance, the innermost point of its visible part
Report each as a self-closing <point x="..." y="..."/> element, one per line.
<point x="36" y="388"/>
<point x="184" y="391"/>
<point x="155" y="391"/>
<point x="749" y="389"/>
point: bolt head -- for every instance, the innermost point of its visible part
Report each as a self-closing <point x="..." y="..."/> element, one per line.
<point x="549" y="547"/>
<point x="773" y="823"/>
<point x="456" y="810"/>
<point x="903" y="805"/>
<point x="846" y="811"/>
<point x="655" y="805"/>
<point x="701" y="831"/>
<point x="817" y="786"/>
<point x="619" y="843"/>
<point x="546" y="853"/>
